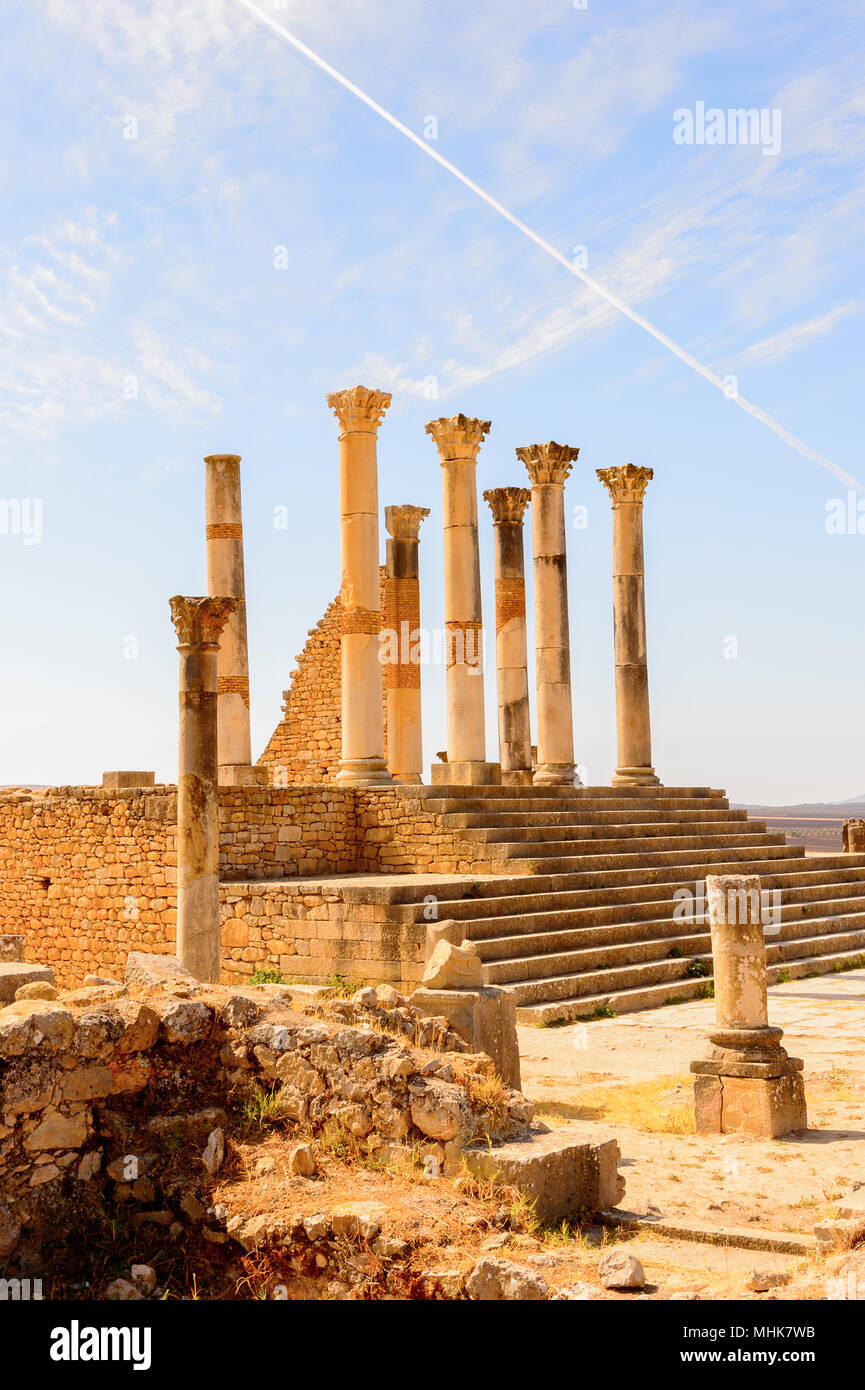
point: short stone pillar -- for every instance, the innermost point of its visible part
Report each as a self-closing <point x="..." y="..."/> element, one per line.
<point x="548" y="466"/>
<point x="401" y="642"/>
<point x="458" y="440"/>
<point x="746" y="1084"/>
<point x="627" y="485"/>
<point x="853" y="835"/>
<point x="199" y="623"/>
<point x="360" y="412"/>
<point x="224" y="539"/>
<point x="508" y="506"/>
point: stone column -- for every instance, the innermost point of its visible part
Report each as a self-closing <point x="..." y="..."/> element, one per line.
<point x="360" y="412"/>
<point x="402" y="624"/>
<point x="747" y="1084"/>
<point x="508" y="506"/>
<point x="458" y="440"/>
<point x="626" y="486"/>
<point x="199" y="623"/>
<point x="224" y="533"/>
<point x="548" y="466"/>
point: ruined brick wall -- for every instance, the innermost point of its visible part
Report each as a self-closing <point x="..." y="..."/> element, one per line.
<point x="306" y="745"/>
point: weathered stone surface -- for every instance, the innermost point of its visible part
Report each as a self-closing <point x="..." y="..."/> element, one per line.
<point x="301" y="1160"/>
<point x="619" y="1269"/>
<point x="761" y="1280"/>
<point x="440" y="1111"/>
<point x="11" y="947"/>
<point x="361" y="1219"/>
<point x="96" y="981"/>
<point x="34" y="1023"/>
<point x="143" y="971"/>
<point x="453" y="967"/>
<point x="214" y="1152"/>
<point x="565" y="1172"/>
<point x="494" y="1279"/>
<point x="760" y="1107"/>
<point x="57" y="1131"/>
<point x="144" y="1278"/>
<point x="187" y="1021"/>
<point x="122" y="1291"/>
<point x="15" y="974"/>
<point x="485" y="1018"/>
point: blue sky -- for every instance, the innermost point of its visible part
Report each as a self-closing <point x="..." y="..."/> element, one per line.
<point x="146" y="265"/>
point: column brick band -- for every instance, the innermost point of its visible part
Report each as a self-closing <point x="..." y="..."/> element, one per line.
<point x="224" y="531"/>
<point x="234" y="685"/>
<point x="454" y="626"/>
<point x="366" y="620"/>
<point x="510" y="601"/>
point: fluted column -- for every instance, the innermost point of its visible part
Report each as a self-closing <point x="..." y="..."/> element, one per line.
<point x="402" y="624"/>
<point x="198" y="623"/>
<point x="360" y="412"/>
<point x="458" y="440"/>
<point x="508" y="506"/>
<point x="548" y="466"/>
<point x="224" y="532"/>
<point x="627" y="485"/>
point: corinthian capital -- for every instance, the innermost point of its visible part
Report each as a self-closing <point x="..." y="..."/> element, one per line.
<point x="198" y="622"/>
<point x="403" y="523"/>
<point x="458" y="436"/>
<point x="359" y="409"/>
<point x="508" y="503"/>
<point x="626" y="483"/>
<point x="548" y="463"/>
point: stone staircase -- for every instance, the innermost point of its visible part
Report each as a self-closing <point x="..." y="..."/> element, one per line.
<point x="582" y="916"/>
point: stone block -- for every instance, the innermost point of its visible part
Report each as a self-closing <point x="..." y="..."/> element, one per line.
<point x="755" y="1106"/>
<point x="564" y="1172"/>
<point x="441" y="931"/>
<point x="117" y="781"/>
<point x="466" y="774"/>
<point x="454" y="967"/>
<point x="485" y="1018"/>
<point x="243" y="775"/>
<point x="15" y="974"/>
<point x="144" y="970"/>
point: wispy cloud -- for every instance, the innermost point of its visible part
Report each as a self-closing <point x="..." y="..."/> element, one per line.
<point x="798" y="335"/>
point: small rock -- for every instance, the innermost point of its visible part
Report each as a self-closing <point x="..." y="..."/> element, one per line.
<point x="89" y="1166"/>
<point x="358" y="1219"/>
<point x="39" y="989"/>
<point x="366" y="997"/>
<point x="191" y="1207"/>
<point x="495" y="1279"/>
<point x="390" y="998"/>
<point x="618" y="1269"/>
<point x="761" y="1280"/>
<point x="144" y="1276"/>
<point x="122" y="1291"/>
<point x="214" y="1153"/>
<point x="301" y="1160"/>
<point x="317" y="1227"/>
<point x="575" y="1293"/>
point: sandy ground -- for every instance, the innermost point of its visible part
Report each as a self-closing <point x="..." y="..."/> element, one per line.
<point x="632" y="1073"/>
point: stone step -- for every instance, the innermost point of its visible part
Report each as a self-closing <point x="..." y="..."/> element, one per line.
<point x="534" y="942"/>
<point x="494" y="792"/>
<point x="643" y="865"/>
<point x="676" y="835"/>
<point x="648" y="996"/>
<point x="799" y="939"/>
<point x="546" y="815"/>
<point x="613" y="805"/>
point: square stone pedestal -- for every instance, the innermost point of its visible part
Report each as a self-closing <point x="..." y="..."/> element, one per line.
<point x="467" y="774"/>
<point x="243" y="775"/>
<point x="484" y="1017"/>
<point x="760" y="1107"/>
<point x="117" y="781"/>
<point x="521" y="777"/>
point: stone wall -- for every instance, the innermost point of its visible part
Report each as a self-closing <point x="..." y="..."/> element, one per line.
<point x="306" y="745"/>
<point x="86" y="875"/>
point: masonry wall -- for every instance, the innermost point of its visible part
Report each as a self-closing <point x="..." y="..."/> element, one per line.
<point x="87" y="875"/>
<point x="306" y="745"/>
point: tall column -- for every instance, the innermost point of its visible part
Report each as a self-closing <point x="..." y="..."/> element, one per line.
<point x="402" y="625"/>
<point x="198" y="623"/>
<point x="360" y="412"/>
<point x="458" y="440"/>
<point x="224" y="533"/>
<point x="548" y="466"/>
<point x="627" y="485"/>
<point x="508" y="506"/>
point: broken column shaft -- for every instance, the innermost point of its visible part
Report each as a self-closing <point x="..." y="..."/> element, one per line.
<point x="199" y="623"/>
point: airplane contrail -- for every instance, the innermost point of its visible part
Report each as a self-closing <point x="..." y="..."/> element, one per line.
<point x="609" y="295"/>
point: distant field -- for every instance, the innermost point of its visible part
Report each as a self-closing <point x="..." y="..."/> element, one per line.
<point x="817" y="827"/>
